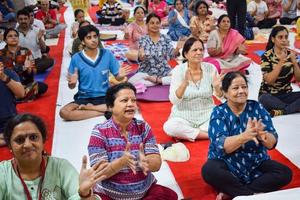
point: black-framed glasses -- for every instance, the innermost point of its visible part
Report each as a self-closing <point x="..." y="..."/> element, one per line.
<point x="33" y="137"/>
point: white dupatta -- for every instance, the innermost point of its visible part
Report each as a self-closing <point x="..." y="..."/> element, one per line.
<point x="181" y="20"/>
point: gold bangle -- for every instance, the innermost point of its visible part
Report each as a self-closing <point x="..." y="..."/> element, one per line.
<point x="112" y="169"/>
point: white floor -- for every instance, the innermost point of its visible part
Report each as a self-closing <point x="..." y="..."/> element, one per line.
<point x="71" y="138"/>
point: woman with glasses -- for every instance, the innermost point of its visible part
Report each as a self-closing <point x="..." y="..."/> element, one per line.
<point x="32" y="174"/>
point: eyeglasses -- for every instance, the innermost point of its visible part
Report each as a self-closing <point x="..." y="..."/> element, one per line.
<point x="33" y="137"/>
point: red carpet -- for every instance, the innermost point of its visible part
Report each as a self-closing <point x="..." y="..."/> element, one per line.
<point x="92" y="12"/>
<point x="188" y="174"/>
<point x="45" y="106"/>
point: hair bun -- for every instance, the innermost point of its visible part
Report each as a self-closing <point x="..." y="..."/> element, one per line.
<point x="107" y="114"/>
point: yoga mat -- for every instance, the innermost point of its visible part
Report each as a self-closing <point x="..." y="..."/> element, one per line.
<point x="41" y="77"/>
<point x="155" y="93"/>
<point x="260" y="52"/>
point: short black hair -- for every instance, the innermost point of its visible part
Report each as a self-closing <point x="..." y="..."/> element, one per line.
<point x="111" y="95"/>
<point x="9" y="30"/>
<point x="152" y="15"/>
<point x="229" y="77"/>
<point x="18" y="119"/>
<point x="84" y="31"/>
<point x="28" y="9"/>
<point x="23" y="12"/>
<point x="77" y="11"/>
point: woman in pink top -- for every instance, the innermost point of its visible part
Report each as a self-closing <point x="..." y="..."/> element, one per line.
<point x="134" y="31"/>
<point x="160" y="8"/>
<point x="274" y="7"/>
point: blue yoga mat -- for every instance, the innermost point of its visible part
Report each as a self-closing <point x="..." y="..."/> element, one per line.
<point x="42" y="76"/>
<point x="260" y="52"/>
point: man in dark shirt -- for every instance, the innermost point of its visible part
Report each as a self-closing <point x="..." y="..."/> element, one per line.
<point x="10" y="88"/>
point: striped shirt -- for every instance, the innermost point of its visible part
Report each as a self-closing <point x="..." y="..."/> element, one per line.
<point x="196" y="104"/>
<point x="112" y="11"/>
<point x="106" y="143"/>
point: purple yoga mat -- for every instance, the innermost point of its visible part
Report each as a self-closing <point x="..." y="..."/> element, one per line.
<point x="155" y="93"/>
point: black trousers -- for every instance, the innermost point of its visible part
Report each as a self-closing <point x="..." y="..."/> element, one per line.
<point x="287" y="21"/>
<point x="43" y="63"/>
<point x="217" y="174"/>
<point x="116" y="22"/>
<point x="237" y="10"/>
<point x="289" y="103"/>
<point x="266" y="23"/>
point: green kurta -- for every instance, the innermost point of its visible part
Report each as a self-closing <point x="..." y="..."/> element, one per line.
<point x="60" y="182"/>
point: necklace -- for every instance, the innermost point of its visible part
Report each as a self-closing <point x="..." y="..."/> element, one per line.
<point x="194" y="80"/>
<point x="42" y="170"/>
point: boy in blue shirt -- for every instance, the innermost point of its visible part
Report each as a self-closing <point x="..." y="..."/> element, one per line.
<point x="90" y="67"/>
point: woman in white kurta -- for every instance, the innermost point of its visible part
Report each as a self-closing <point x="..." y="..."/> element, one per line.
<point x="192" y="86"/>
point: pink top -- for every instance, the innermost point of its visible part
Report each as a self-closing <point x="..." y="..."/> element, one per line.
<point x="274" y="7"/>
<point x="135" y="32"/>
<point x="159" y="9"/>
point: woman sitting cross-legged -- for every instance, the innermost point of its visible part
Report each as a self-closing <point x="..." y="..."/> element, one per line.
<point x="279" y="65"/>
<point x="32" y="174"/>
<point x="202" y="23"/>
<point x="179" y="21"/>
<point x="20" y="60"/>
<point x="240" y="132"/>
<point x="192" y="86"/>
<point x="225" y="46"/>
<point x="134" y="31"/>
<point x="289" y="12"/>
<point x="258" y="9"/>
<point x="155" y="50"/>
<point x="129" y="147"/>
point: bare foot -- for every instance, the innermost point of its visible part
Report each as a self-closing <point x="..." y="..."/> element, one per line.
<point x="222" y="196"/>
<point x="152" y="79"/>
<point x="202" y="136"/>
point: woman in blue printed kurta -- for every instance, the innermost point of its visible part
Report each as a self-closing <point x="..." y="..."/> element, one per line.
<point x="179" y="21"/>
<point x="241" y="132"/>
<point x="155" y="50"/>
